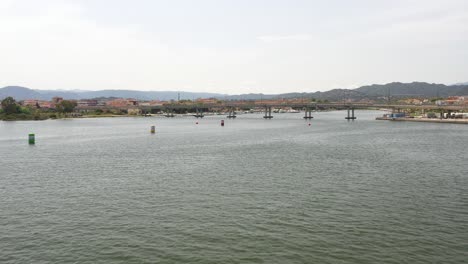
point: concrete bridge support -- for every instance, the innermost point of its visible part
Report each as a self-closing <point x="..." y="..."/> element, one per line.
<point x="308" y="113"/>
<point x="145" y="113"/>
<point x="169" y="112"/>
<point x="350" y="114"/>
<point x="267" y="112"/>
<point x="199" y="113"/>
<point x="231" y="113"/>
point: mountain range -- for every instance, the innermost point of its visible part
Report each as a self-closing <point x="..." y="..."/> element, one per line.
<point x="395" y="90"/>
<point x="23" y="93"/>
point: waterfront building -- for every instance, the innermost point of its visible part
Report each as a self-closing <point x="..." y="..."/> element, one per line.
<point x="122" y="102"/>
<point x="87" y="103"/>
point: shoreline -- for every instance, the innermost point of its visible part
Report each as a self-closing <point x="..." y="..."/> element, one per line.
<point x="427" y="120"/>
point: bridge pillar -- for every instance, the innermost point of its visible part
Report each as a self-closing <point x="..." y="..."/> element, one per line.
<point x="199" y="113"/>
<point x="350" y="114"/>
<point x="169" y="112"/>
<point x="231" y="113"/>
<point x="308" y="113"/>
<point x="268" y="112"/>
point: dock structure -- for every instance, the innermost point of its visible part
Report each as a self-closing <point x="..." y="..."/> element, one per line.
<point x="428" y="120"/>
<point x="268" y="113"/>
<point x="308" y="113"/>
<point x="350" y="117"/>
<point x="231" y="113"/>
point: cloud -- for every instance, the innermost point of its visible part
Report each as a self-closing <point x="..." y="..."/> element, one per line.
<point x="56" y="43"/>
<point x="272" y="38"/>
<point x="74" y="44"/>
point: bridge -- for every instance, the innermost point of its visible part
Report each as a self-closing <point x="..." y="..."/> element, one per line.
<point x="231" y="107"/>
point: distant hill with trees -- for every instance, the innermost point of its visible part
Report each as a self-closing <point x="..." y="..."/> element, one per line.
<point x="395" y="90"/>
<point x="23" y="93"/>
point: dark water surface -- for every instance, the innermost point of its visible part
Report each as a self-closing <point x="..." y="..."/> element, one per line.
<point x="254" y="191"/>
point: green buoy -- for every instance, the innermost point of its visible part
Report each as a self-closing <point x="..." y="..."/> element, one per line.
<point x="32" y="139"/>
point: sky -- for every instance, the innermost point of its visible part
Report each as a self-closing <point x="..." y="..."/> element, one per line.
<point x="231" y="46"/>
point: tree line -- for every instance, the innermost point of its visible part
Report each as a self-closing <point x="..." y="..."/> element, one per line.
<point x="12" y="110"/>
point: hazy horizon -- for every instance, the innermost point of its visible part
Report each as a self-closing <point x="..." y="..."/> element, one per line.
<point x="231" y="47"/>
<point x="221" y="93"/>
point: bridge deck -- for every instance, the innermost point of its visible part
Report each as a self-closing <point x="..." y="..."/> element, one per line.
<point x="250" y="105"/>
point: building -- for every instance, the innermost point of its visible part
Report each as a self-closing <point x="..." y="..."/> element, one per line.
<point x="31" y="103"/>
<point x="38" y="104"/>
<point x="122" y="102"/>
<point x="206" y="101"/>
<point x="57" y="100"/>
<point x="87" y="103"/>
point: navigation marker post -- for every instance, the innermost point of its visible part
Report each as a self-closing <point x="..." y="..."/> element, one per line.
<point x="32" y="139"/>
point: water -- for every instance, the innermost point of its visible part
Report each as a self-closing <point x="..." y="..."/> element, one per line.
<point x="254" y="191"/>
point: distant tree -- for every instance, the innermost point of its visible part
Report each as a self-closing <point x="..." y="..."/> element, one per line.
<point x="25" y="110"/>
<point x="65" y="106"/>
<point x="10" y="106"/>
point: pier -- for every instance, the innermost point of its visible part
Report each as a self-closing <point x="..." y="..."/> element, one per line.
<point x="427" y="120"/>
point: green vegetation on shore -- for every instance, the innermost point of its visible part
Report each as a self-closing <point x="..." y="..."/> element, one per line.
<point x="12" y="111"/>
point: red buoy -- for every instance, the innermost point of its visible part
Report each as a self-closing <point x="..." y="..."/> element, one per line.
<point x="222" y="122"/>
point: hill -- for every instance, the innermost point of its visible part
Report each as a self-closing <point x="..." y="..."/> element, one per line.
<point x="22" y="93"/>
<point x="464" y="83"/>
<point x="18" y="92"/>
<point x="395" y="90"/>
<point x="415" y="89"/>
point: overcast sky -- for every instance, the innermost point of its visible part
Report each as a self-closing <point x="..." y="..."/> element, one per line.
<point x="231" y="46"/>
